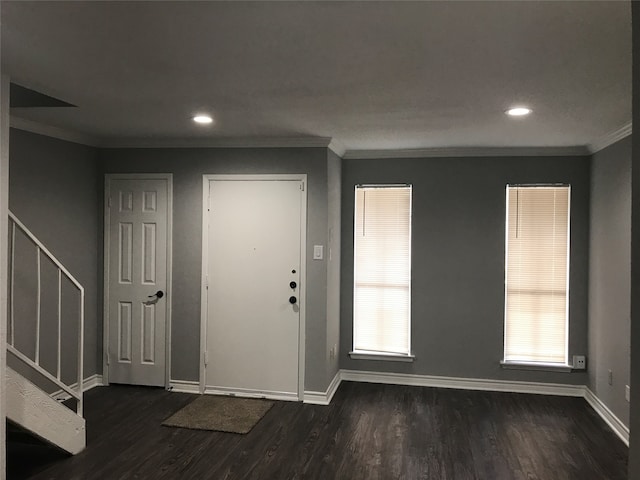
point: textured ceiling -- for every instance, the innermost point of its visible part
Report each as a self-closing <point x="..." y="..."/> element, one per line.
<point x="371" y="75"/>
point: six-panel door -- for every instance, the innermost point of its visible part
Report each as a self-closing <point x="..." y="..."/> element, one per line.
<point x="137" y="270"/>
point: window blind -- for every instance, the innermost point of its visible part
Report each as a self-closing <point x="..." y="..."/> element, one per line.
<point x="382" y="269"/>
<point x="537" y="274"/>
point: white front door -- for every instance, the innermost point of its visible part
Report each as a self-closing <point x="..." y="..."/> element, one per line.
<point x="136" y="303"/>
<point x="253" y="271"/>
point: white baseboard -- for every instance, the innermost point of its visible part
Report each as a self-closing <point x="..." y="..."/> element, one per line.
<point x="464" y="383"/>
<point x="619" y="428"/>
<point x="88" y="383"/>
<point x="564" y="390"/>
<point x="607" y="415"/>
<point x="324" y="398"/>
<point x="184" y="386"/>
<point x="93" y="381"/>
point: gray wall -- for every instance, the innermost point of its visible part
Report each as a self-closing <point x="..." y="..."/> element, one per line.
<point x="53" y="190"/>
<point x="610" y="275"/>
<point x="334" y="176"/>
<point x="188" y="166"/>
<point x="458" y="260"/>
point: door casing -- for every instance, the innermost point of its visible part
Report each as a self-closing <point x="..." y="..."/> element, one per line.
<point x="168" y="294"/>
<point x="303" y="267"/>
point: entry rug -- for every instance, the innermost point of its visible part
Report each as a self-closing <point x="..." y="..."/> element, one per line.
<point x="220" y="413"/>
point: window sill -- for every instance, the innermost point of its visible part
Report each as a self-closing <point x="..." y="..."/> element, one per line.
<point x="542" y="367"/>
<point x="388" y="357"/>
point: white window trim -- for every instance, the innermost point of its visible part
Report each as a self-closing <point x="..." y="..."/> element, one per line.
<point x="537" y="366"/>
<point x="383" y="356"/>
<point x="530" y="365"/>
<point x="375" y="355"/>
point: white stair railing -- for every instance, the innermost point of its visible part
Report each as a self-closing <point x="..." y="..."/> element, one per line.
<point x="75" y="391"/>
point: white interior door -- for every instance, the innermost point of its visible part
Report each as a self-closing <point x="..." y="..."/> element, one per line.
<point x="253" y="297"/>
<point x="137" y="229"/>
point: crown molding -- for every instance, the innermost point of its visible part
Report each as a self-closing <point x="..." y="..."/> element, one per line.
<point x="337" y="147"/>
<point x="610" y="138"/>
<point x="223" y="142"/>
<point x="157" y="142"/>
<point x="51" y="131"/>
<point x="469" y="152"/>
<point x="319" y="142"/>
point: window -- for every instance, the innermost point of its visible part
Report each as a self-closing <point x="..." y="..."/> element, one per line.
<point x="537" y="274"/>
<point x="382" y="270"/>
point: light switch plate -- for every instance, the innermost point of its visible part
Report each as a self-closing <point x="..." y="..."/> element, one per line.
<point x="627" y="393"/>
<point x="318" y="252"/>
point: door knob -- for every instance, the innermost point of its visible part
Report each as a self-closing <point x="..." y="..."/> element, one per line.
<point x="293" y="284"/>
<point x="158" y="294"/>
<point x="292" y="300"/>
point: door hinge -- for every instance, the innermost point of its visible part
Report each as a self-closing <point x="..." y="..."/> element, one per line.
<point x="302" y="186"/>
<point x="108" y="359"/>
<point x="205" y="358"/>
<point x="206" y="282"/>
<point x="109" y="202"/>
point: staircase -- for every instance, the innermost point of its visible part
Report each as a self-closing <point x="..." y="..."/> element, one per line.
<point x="37" y="376"/>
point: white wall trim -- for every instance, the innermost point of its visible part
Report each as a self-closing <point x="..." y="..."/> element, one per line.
<point x="315" y="142"/>
<point x="610" y="138"/>
<point x="54" y="132"/>
<point x="4" y="261"/>
<point x="88" y="383"/>
<point x="184" y="386"/>
<point x="607" y="415"/>
<point x="564" y="390"/>
<point x="91" y="382"/>
<point x="169" y="286"/>
<point x="222" y="142"/>
<point x="469" y="152"/>
<point x="464" y="383"/>
<point x="337" y="147"/>
<point x="204" y="292"/>
<point x="319" y="142"/>
<point x="324" y="398"/>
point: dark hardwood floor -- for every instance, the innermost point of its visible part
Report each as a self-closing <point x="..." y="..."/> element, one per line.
<point x="369" y="432"/>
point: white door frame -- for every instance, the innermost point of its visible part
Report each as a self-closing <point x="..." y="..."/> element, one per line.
<point x="168" y="290"/>
<point x="303" y="267"/>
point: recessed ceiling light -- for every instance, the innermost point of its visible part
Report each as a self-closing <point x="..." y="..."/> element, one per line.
<point x="202" y="119"/>
<point x="518" y="111"/>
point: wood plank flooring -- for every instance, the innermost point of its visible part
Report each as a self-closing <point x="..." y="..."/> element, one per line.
<point x="369" y="432"/>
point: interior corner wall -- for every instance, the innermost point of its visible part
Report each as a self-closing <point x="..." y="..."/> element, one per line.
<point x="458" y="260"/>
<point x="610" y="276"/>
<point x="334" y="180"/>
<point x="4" y="207"/>
<point x="53" y="191"/>
<point x="634" y="413"/>
<point x="188" y="165"/>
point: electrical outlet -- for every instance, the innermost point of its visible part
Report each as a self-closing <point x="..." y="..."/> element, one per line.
<point x="332" y="353"/>
<point x="610" y="377"/>
<point x="627" y="393"/>
<point x="579" y="362"/>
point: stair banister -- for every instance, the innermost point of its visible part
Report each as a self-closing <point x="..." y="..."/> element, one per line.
<point x="73" y="391"/>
